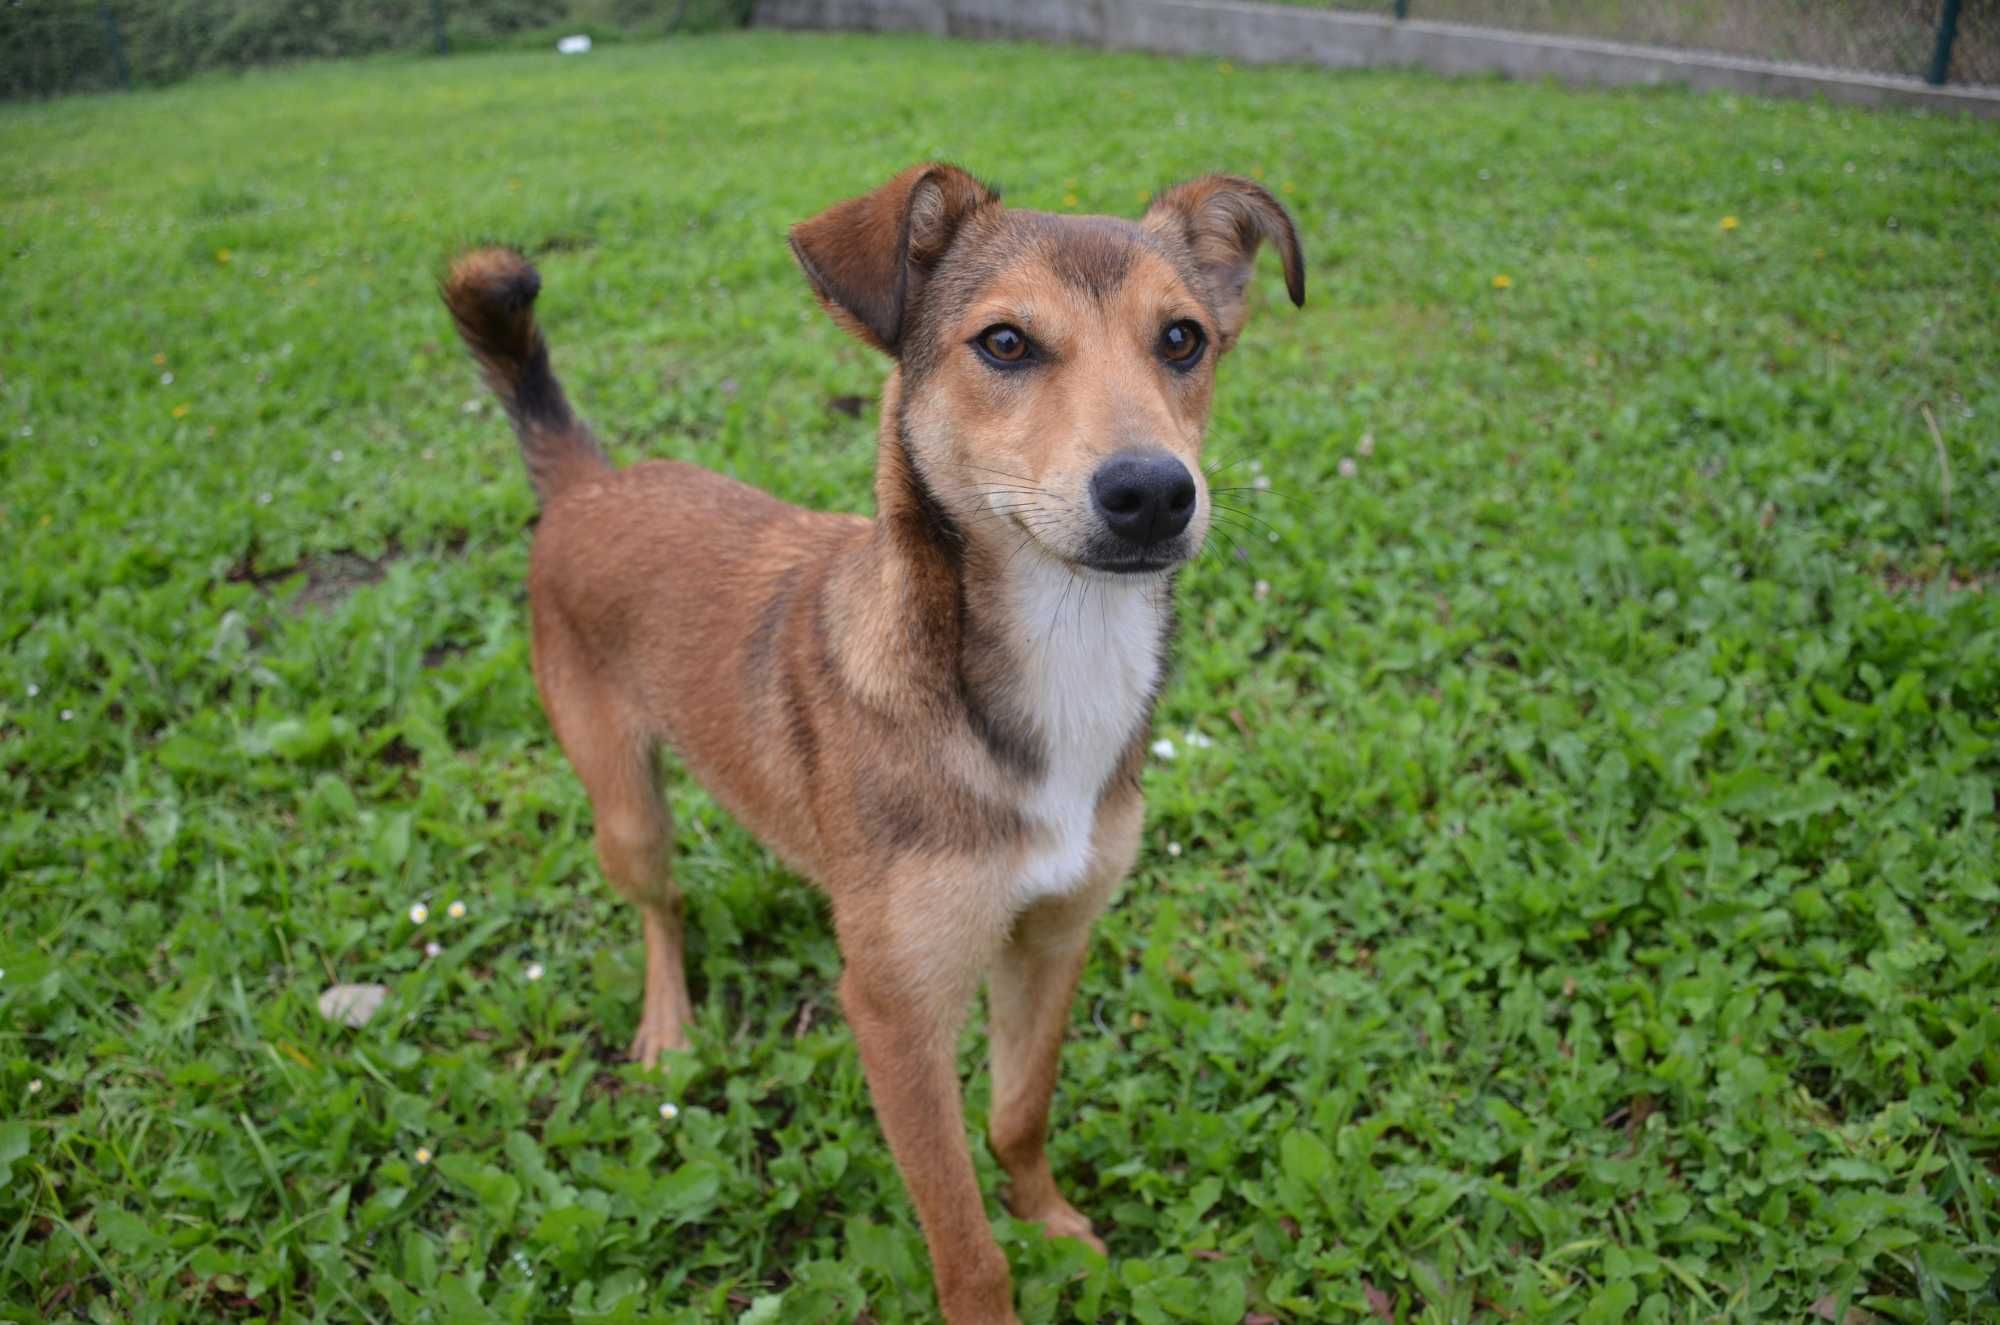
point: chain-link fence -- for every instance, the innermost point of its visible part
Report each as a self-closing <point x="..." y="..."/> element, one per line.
<point x="55" y="46"/>
<point x="1937" y="40"/>
<point x="49" y="47"/>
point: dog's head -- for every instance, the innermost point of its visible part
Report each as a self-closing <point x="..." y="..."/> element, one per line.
<point x="1056" y="370"/>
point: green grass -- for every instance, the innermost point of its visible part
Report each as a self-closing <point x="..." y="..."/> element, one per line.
<point x="1586" y="907"/>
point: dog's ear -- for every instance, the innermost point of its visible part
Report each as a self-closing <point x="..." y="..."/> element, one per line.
<point x="1222" y="219"/>
<point x="868" y="257"/>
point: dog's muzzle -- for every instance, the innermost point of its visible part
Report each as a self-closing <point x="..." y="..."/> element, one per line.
<point x="1144" y="501"/>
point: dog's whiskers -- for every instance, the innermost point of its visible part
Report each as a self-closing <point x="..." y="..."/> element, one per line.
<point x="1223" y="528"/>
<point x="1239" y="513"/>
<point x="1211" y="471"/>
<point x="1256" y="491"/>
<point x="984" y="469"/>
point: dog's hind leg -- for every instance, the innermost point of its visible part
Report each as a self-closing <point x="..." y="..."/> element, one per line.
<point x="633" y="844"/>
<point x="615" y="759"/>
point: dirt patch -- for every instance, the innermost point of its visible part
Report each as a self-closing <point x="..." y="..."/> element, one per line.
<point x="562" y="242"/>
<point x="330" y="576"/>
<point x="1897" y="580"/>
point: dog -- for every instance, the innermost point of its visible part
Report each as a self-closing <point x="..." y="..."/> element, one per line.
<point x="938" y="715"/>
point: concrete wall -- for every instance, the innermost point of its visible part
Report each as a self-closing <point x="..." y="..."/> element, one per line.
<point x="1274" y="34"/>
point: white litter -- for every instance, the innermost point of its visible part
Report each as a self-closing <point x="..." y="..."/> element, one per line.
<point x="352" y="1005"/>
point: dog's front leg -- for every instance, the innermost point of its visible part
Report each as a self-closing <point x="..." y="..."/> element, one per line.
<point x="905" y="992"/>
<point x="1028" y="994"/>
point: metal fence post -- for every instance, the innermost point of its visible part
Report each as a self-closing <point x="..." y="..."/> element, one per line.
<point x="437" y="27"/>
<point x="1946" y="33"/>
<point x="115" y="39"/>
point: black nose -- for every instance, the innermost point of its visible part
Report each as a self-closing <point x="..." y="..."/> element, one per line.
<point x="1143" y="496"/>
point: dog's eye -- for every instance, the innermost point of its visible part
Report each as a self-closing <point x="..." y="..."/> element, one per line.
<point x="1181" y="344"/>
<point x="1003" y="344"/>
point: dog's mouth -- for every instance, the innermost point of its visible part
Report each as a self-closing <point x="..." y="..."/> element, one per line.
<point x="1142" y="565"/>
<point x="1116" y="556"/>
<point x="1110" y="556"/>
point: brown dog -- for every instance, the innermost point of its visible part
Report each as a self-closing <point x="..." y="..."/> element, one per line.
<point x="938" y="715"/>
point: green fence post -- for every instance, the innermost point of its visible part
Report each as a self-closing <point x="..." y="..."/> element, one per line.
<point x="1947" y="32"/>
<point x="115" y="39"/>
<point x="437" y="27"/>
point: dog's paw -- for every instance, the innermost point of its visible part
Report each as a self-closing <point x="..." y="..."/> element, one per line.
<point x="1066" y="1221"/>
<point x="656" y="1038"/>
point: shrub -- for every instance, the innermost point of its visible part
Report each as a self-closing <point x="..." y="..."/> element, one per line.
<point x="49" y="47"/>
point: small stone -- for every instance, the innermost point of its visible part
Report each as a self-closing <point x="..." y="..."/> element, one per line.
<point x="352" y="1005"/>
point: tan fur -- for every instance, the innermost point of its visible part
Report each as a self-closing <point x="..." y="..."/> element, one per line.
<point x="871" y="697"/>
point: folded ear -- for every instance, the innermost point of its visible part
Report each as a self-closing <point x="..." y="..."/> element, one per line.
<point x="1222" y="219"/>
<point x="868" y="257"/>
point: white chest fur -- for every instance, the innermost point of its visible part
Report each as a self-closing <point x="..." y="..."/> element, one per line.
<point x="1092" y="659"/>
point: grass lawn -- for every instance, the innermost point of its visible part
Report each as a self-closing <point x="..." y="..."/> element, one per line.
<point x="1573" y="896"/>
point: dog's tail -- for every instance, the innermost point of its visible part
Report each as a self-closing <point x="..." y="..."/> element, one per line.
<point x="491" y="294"/>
